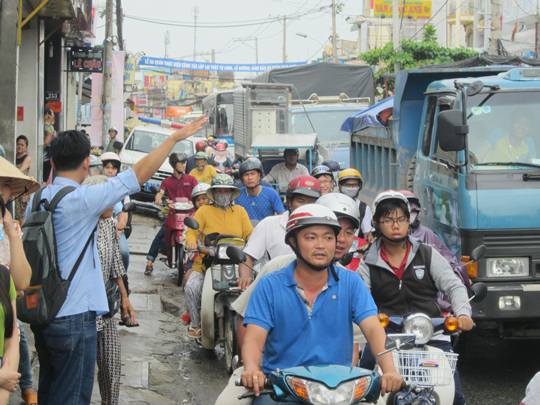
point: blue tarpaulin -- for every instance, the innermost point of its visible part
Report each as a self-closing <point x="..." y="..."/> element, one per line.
<point x="367" y="118"/>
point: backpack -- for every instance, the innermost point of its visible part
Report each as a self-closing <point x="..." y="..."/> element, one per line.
<point x="42" y="300"/>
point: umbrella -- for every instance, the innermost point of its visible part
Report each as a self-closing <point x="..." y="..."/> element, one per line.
<point x="18" y="182"/>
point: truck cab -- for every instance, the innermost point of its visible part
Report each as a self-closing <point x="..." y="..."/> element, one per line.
<point x="468" y="143"/>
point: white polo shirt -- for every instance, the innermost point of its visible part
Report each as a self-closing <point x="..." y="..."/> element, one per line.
<point x="281" y="175"/>
<point x="269" y="237"/>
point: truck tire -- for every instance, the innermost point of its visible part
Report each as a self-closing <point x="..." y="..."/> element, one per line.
<point x="409" y="173"/>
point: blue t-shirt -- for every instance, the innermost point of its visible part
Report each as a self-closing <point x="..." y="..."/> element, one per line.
<point x="265" y="204"/>
<point x="297" y="338"/>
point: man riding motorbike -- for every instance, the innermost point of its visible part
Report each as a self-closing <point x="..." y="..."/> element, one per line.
<point x="325" y="177"/>
<point x="179" y="184"/>
<point x="220" y="217"/>
<point x="200" y="146"/>
<point x="350" y="183"/>
<point x="203" y="172"/>
<point x="309" y="304"/>
<point x="405" y="275"/>
<point x="346" y="210"/>
<point x="259" y="201"/>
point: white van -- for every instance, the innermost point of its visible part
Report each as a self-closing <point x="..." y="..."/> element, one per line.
<point x="144" y="139"/>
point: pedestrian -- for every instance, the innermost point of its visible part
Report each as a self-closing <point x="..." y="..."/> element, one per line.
<point x="108" y="341"/>
<point x="66" y="346"/>
<point x="259" y="201"/>
<point x="203" y="172"/>
<point x="23" y="162"/>
<point x="12" y="256"/>
<point x="113" y="132"/>
<point x="9" y="333"/>
<point x="178" y="185"/>
<point x="48" y="136"/>
<point x="282" y="173"/>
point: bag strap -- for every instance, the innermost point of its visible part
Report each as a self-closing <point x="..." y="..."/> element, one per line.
<point x="58" y="196"/>
<point x="37" y="200"/>
<point x="79" y="259"/>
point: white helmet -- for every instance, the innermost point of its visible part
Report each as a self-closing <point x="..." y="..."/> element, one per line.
<point x="199" y="189"/>
<point x="309" y="215"/>
<point x="342" y="205"/>
<point x="391" y="195"/>
<point x="110" y="156"/>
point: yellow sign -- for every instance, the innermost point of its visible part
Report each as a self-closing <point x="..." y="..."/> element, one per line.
<point x="417" y="9"/>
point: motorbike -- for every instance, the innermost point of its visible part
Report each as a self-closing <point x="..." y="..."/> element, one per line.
<point x="220" y="288"/>
<point x="427" y="370"/>
<point x="179" y="209"/>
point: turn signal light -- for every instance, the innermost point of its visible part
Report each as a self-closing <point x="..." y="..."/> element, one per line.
<point x="299" y="388"/>
<point x="384" y="319"/>
<point x="451" y="324"/>
<point x="360" y="389"/>
<point x="470" y="266"/>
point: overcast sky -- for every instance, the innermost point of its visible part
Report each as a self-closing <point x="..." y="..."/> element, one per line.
<point x="150" y="38"/>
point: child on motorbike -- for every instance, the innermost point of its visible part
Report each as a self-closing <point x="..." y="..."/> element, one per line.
<point x="221" y="216"/>
<point x="405" y="276"/>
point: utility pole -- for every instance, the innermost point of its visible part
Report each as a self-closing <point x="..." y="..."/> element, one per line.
<point x="496" y="27"/>
<point x="334" y="33"/>
<point x="457" y="26"/>
<point x="487" y="24"/>
<point x="256" y="50"/>
<point x="107" y="72"/>
<point x="395" y="30"/>
<point x="119" y="24"/>
<point x="167" y="41"/>
<point x="195" y="15"/>
<point x="284" y="39"/>
<point x="537" y="31"/>
<point x="213" y="55"/>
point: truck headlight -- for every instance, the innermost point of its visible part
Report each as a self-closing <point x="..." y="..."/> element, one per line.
<point x="317" y="393"/>
<point x="507" y="267"/>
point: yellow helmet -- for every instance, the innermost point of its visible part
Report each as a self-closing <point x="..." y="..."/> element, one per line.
<point x="350" y="173"/>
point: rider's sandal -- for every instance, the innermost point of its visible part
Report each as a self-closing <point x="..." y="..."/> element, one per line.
<point x="148" y="270"/>
<point x="194" y="333"/>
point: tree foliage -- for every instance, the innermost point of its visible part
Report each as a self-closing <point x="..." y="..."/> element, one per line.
<point x="415" y="54"/>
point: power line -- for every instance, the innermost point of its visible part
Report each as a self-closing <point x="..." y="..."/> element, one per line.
<point x="429" y="20"/>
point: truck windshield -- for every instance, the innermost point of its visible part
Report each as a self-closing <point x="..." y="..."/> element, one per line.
<point x="327" y="124"/>
<point x="146" y="141"/>
<point x="504" y="128"/>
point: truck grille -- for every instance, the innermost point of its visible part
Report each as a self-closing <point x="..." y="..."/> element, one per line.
<point x="529" y="241"/>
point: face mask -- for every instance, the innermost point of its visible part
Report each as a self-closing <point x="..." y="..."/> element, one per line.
<point x="1" y="231"/>
<point x="350" y="191"/>
<point x="223" y="200"/>
<point x="414" y="221"/>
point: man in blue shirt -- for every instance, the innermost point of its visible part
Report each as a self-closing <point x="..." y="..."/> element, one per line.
<point x="303" y="314"/>
<point x="67" y="346"/>
<point x="259" y="201"/>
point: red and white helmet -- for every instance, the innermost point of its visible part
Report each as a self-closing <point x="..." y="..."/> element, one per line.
<point x="304" y="185"/>
<point x="390" y="195"/>
<point x="310" y="215"/>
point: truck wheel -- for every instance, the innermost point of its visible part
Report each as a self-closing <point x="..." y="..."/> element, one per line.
<point x="180" y="264"/>
<point x="411" y="170"/>
<point x="230" y="342"/>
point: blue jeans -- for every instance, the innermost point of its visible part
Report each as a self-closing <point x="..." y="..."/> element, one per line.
<point x="124" y="250"/>
<point x="25" y="365"/>
<point x="154" y="247"/>
<point x="368" y="361"/>
<point x="66" y="350"/>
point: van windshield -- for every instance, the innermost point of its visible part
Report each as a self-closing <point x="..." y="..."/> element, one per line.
<point x="146" y="142"/>
<point x="504" y="128"/>
<point x="327" y="125"/>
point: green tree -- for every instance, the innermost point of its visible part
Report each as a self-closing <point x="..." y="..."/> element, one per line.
<point x="414" y="54"/>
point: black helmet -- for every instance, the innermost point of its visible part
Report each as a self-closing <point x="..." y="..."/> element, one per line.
<point x="251" y="164"/>
<point x="332" y="165"/>
<point x="177" y="157"/>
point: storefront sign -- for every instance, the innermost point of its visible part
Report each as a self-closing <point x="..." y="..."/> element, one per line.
<point x="416" y="9"/>
<point x="86" y="60"/>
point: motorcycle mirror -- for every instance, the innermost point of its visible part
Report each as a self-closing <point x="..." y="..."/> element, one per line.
<point x="236" y="254"/>
<point x="191" y="223"/>
<point x="478" y="252"/>
<point x="129" y="207"/>
<point x="345" y="260"/>
<point x="480" y="292"/>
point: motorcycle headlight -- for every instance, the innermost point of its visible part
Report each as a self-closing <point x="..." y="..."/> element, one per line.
<point x="182" y="206"/>
<point x="125" y="166"/>
<point x="222" y="253"/>
<point x="507" y="267"/>
<point x="419" y="325"/>
<point x="317" y="393"/>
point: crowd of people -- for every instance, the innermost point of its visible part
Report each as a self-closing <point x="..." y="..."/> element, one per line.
<point x="328" y="264"/>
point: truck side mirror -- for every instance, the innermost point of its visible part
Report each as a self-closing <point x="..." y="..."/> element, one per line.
<point x="478" y="252"/>
<point x="451" y="133"/>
